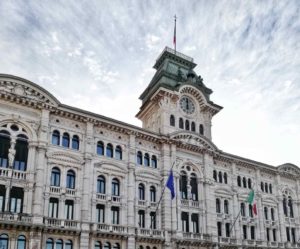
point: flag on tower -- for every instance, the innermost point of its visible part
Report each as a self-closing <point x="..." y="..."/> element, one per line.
<point x="174" y="37"/>
<point x="170" y="184"/>
<point x="251" y="201"/>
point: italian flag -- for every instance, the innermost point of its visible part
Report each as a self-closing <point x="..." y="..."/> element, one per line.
<point x="251" y="201"/>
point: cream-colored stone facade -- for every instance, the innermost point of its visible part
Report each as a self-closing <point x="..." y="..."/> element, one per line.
<point x="74" y="179"/>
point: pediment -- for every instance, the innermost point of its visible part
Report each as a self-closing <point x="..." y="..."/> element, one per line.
<point x="143" y="173"/>
<point x="25" y="89"/>
<point x="193" y="139"/>
<point x="64" y="157"/>
<point x="289" y="169"/>
<point x="110" y="167"/>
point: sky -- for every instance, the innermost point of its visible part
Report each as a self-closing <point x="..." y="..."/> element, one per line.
<point x="98" y="55"/>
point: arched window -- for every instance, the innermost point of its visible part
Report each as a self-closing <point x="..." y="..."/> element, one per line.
<point x="152" y="194"/>
<point x="141" y="247"/>
<point x="187" y="125"/>
<point x="118" y="152"/>
<point x="100" y="148"/>
<point x="139" y="158"/>
<point x="218" y="206"/>
<point x="141" y="192"/>
<point x="49" y="244"/>
<point x="147" y="160"/>
<point x="290" y="204"/>
<point x="115" y="187"/>
<point x="172" y="120"/>
<point x="220" y="177"/>
<point x="4" y="147"/>
<point x="266" y="187"/>
<point x="153" y="162"/>
<point x="98" y="245"/>
<point x="225" y="178"/>
<point x="101" y="185"/>
<point x="21" y="244"/>
<point x="226" y="207"/>
<point x="262" y="187"/>
<point x="107" y="245"/>
<point x="193" y="126"/>
<point x="59" y="244"/>
<point x="183" y="185"/>
<point x="69" y="244"/>
<point x="244" y="182"/>
<point x="116" y="246"/>
<point x="148" y="247"/>
<point x="250" y="210"/>
<point x="201" y="129"/>
<point x="285" y="209"/>
<point x="249" y="183"/>
<point x="75" y="142"/>
<point x="56" y="137"/>
<point x="243" y="213"/>
<point x="109" y="150"/>
<point x="270" y="188"/>
<point x="70" y="179"/>
<point x="66" y="140"/>
<point x="181" y="123"/>
<point x="55" y="177"/>
<point x="272" y="214"/>
<point x="20" y="161"/>
<point x="215" y="175"/>
<point x="239" y="183"/>
<point x="266" y="213"/>
<point x="194" y="187"/>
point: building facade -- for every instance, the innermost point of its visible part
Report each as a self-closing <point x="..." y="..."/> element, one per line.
<point x="73" y="179"/>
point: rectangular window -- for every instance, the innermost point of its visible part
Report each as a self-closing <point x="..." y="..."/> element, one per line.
<point x="293" y="235"/>
<point x="244" y="231"/>
<point x="274" y="235"/>
<point x="252" y="232"/>
<point x="141" y="214"/>
<point x="16" y="200"/>
<point x="153" y="220"/>
<point x="115" y="215"/>
<point x="69" y="209"/>
<point x="53" y="208"/>
<point x="219" y="225"/>
<point x="100" y="213"/>
<point x="195" y="223"/>
<point x="268" y="234"/>
<point x="288" y="234"/>
<point x="227" y="228"/>
<point x="185" y="221"/>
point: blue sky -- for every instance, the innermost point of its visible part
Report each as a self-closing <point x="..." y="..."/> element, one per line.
<point x="98" y="56"/>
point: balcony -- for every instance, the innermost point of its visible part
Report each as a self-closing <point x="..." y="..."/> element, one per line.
<point x="149" y="233"/>
<point x="101" y="227"/>
<point x="60" y="223"/>
<point x="190" y="203"/>
<point x="142" y="203"/>
<point x="14" y="174"/>
<point x="196" y="236"/>
<point x="8" y="217"/>
<point x="101" y="197"/>
<point x="272" y="244"/>
<point x="115" y="198"/>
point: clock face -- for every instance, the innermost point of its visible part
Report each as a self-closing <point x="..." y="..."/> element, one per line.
<point x="187" y="105"/>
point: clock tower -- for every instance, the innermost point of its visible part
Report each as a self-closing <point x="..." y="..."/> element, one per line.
<point x="176" y="100"/>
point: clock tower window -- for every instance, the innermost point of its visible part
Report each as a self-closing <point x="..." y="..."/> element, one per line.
<point x="201" y="129"/>
<point x="187" y="125"/>
<point x="193" y="127"/>
<point x="172" y="120"/>
<point x="181" y="123"/>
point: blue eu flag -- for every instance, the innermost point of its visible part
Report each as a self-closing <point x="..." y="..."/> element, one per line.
<point x="170" y="184"/>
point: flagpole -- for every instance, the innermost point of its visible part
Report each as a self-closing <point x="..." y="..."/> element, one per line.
<point x="234" y="222"/>
<point x="161" y="196"/>
<point x="174" y="38"/>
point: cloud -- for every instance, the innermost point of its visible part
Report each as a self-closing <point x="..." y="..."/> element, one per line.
<point x="97" y="55"/>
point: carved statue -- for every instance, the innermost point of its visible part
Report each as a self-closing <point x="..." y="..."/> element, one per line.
<point x="11" y="155"/>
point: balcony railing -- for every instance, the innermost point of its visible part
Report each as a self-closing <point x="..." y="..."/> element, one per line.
<point x="15" y="174"/>
<point x="15" y="218"/>
<point x="60" y="223"/>
<point x="101" y="197"/>
<point x="190" y="203"/>
<point x="149" y="232"/>
<point x="196" y="236"/>
<point x="109" y="228"/>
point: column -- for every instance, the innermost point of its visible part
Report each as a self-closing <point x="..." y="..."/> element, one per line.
<point x="262" y="234"/>
<point x="77" y="209"/>
<point x="29" y="199"/>
<point x="177" y="193"/>
<point x="61" y="207"/>
<point x="7" y="197"/>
